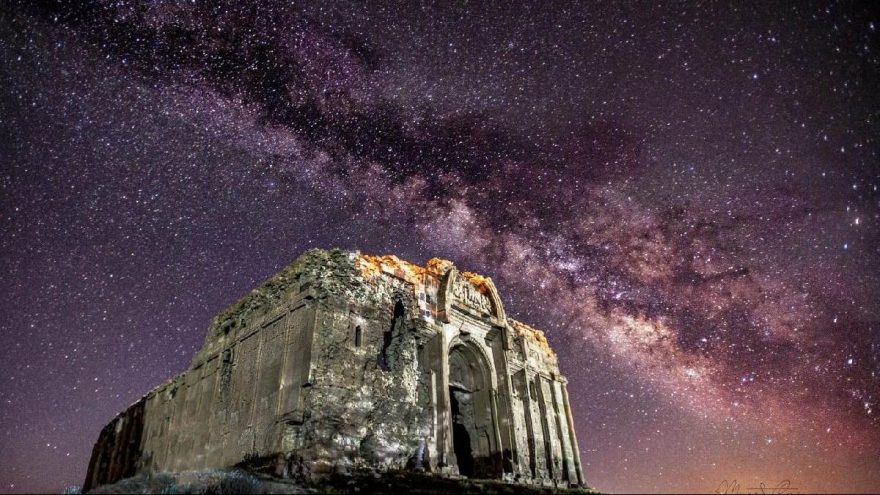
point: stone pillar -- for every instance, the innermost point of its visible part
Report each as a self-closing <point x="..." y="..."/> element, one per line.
<point x="576" y="453"/>
<point x="529" y="422"/>
<point x="562" y="430"/>
<point x="544" y="416"/>
<point x="496" y="430"/>
<point x="447" y="450"/>
<point x="504" y="400"/>
<point x="435" y="362"/>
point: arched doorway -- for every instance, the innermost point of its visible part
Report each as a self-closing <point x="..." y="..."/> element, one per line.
<point x="471" y="410"/>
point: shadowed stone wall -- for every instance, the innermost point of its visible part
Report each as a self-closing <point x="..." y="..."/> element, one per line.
<point x="346" y="362"/>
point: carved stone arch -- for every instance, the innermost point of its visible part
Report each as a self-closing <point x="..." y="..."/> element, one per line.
<point x="455" y="289"/>
<point x="444" y="294"/>
<point x="472" y="411"/>
<point x="499" y="314"/>
<point x="474" y="347"/>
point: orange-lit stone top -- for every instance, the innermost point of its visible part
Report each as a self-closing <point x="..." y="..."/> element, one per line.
<point x="534" y="334"/>
<point x="371" y="266"/>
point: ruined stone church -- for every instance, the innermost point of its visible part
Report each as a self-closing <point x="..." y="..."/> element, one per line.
<point x="344" y="362"/>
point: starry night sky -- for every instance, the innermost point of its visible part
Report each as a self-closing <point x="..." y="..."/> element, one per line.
<point x="684" y="197"/>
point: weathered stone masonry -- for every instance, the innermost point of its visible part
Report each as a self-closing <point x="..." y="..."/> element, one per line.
<point x="343" y="362"/>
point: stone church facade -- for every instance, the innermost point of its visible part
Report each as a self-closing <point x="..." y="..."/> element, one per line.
<point x="344" y="362"/>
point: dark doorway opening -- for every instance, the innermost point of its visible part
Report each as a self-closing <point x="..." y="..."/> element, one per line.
<point x="461" y="439"/>
<point x="473" y="427"/>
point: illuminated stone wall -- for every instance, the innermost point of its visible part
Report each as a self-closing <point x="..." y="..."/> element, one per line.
<point x="345" y="362"/>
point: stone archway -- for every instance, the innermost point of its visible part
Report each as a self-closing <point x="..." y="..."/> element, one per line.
<point x="472" y="414"/>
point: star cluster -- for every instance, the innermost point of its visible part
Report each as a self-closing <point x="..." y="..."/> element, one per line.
<point x="684" y="197"/>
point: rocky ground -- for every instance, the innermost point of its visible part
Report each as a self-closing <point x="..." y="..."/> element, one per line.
<point x="244" y="482"/>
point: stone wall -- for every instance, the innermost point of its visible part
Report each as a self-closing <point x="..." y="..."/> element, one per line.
<point x="345" y="362"/>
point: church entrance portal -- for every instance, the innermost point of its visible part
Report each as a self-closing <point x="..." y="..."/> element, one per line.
<point x="473" y="425"/>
